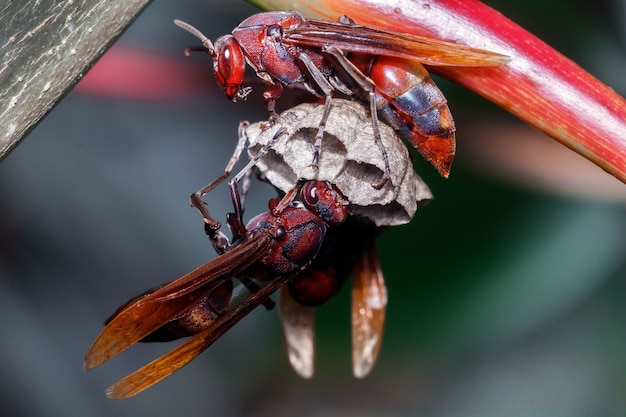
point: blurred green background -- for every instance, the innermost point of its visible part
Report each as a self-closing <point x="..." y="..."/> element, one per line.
<point x="506" y="293"/>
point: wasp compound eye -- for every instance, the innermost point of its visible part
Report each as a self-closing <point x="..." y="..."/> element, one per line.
<point x="229" y="65"/>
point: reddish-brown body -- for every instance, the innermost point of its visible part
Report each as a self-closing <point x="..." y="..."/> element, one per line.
<point x="410" y="102"/>
<point x="334" y="262"/>
<point x="274" y="246"/>
<point x="380" y="68"/>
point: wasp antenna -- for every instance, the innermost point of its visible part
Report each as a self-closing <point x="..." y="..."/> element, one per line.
<point x="195" y="32"/>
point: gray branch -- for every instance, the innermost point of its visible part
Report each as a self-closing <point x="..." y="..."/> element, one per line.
<point x="46" y="47"/>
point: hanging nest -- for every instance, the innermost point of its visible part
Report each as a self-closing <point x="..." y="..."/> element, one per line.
<point x="350" y="158"/>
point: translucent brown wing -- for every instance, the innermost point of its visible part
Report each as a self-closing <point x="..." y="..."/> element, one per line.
<point x="146" y="314"/>
<point x="298" y="326"/>
<point x="369" y="301"/>
<point x="368" y="40"/>
<point x="165" y="365"/>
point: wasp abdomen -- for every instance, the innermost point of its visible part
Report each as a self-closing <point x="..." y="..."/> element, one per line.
<point x="410" y="102"/>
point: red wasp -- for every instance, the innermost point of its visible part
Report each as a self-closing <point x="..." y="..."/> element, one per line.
<point x="380" y="68"/>
<point x="273" y="247"/>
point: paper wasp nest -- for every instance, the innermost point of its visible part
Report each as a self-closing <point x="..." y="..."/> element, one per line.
<point x="349" y="158"/>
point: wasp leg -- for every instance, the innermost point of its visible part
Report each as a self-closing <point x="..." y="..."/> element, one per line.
<point x="327" y="89"/>
<point x="196" y="198"/>
<point x="260" y="155"/>
<point x="367" y="86"/>
<point x="270" y="96"/>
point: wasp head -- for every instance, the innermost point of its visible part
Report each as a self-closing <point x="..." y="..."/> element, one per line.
<point x="229" y="64"/>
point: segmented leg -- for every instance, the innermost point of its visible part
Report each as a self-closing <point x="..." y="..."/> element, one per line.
<point x="327" y="89"/>
<point x="259" y="155"/>
<point x="196" y="198"/>
<point x="367" y="86"/>
<point x="211" y="226"/>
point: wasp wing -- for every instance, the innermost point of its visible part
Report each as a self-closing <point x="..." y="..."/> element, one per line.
<point x="165" y="365"/>
<point x="147" y="313"/>
<point x="368" y="40"/>
<point x="369" y="301"/>
<point x="298" y="325"/>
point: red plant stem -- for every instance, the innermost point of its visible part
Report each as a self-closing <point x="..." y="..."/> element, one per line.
<point x="539" y="85"/>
